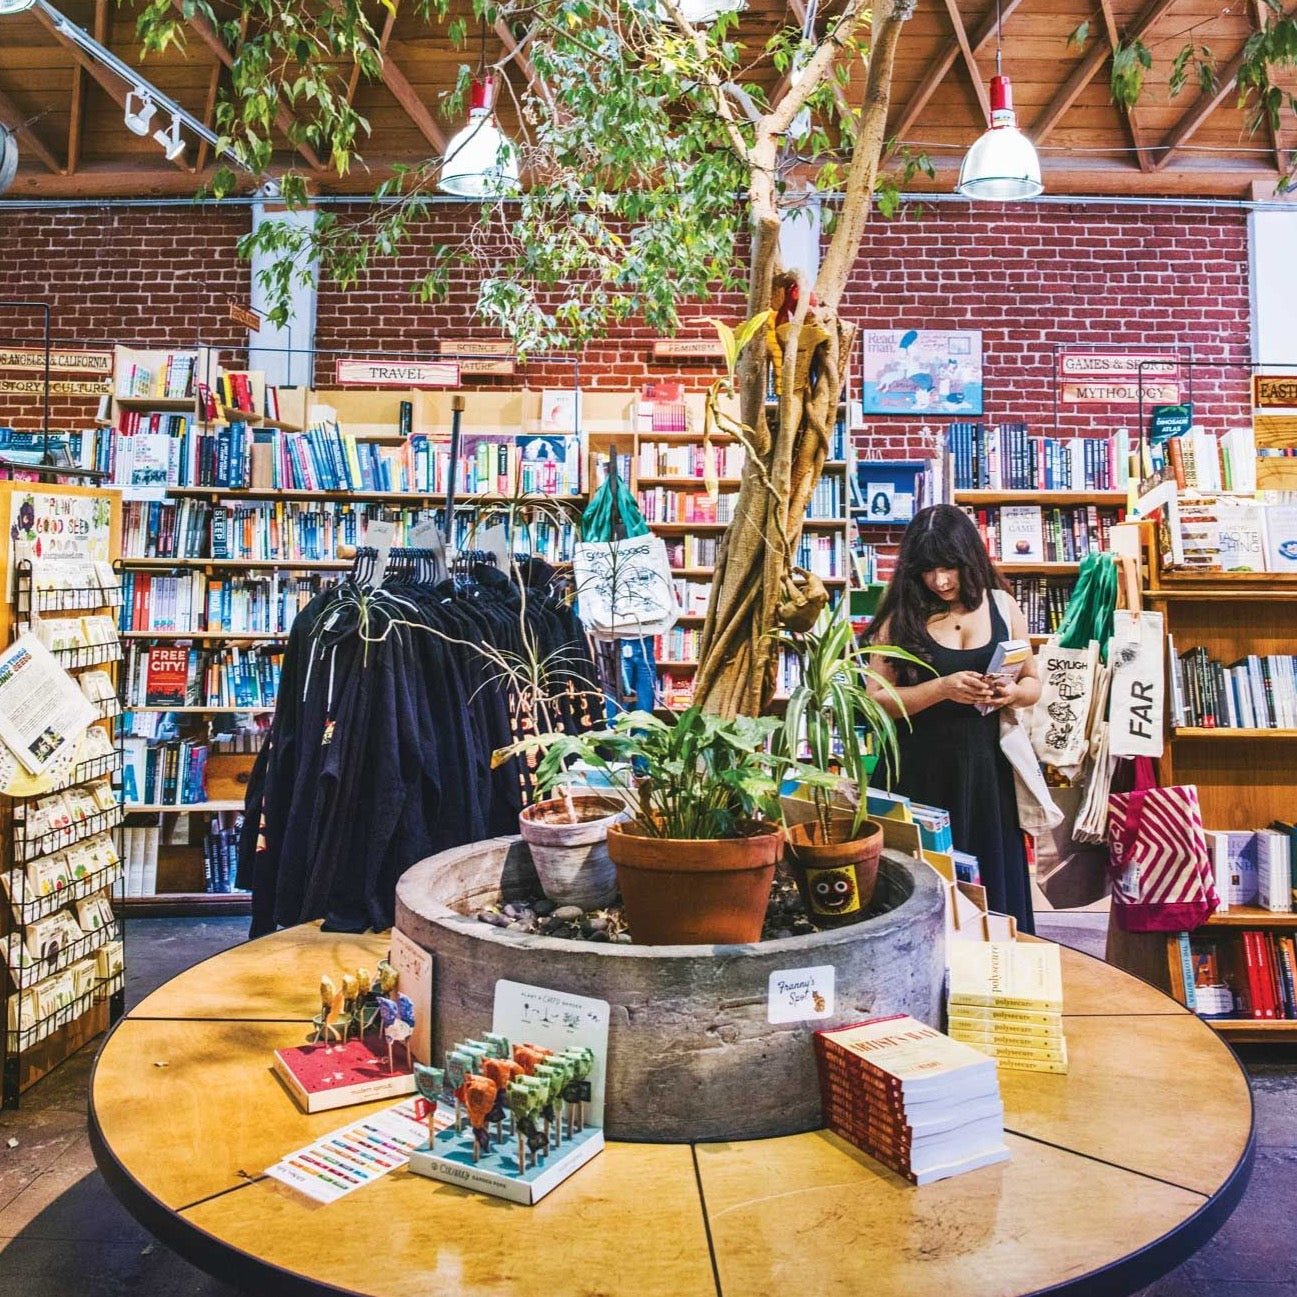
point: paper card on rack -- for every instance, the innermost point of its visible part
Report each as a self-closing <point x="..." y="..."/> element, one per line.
<point x="414" y="968"/>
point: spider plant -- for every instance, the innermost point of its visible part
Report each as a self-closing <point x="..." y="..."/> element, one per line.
<point x="831" y="706"/>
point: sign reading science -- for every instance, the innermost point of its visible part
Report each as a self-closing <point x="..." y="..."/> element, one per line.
<point x="1118" y="378"/>
<point x="396" y="373"/>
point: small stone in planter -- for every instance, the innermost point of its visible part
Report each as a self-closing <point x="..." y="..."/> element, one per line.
<point x="544" y="906"/>
<point x="598" y="925"/>
<point x="599" y="936"/>
<point x="569" y="914"/>
<point x="511" y="910"/>
<point x="494" y="918"/>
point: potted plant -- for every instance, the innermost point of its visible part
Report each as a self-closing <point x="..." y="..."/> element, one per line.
<point x="568" y="839"/>
<point x="830" y="722"/>
<point x="696" y="860"/>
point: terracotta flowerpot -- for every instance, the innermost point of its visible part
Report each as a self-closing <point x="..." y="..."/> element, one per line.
<point x="689" y="891"/>
<point x="572" y="859"/>
<point x="836" y="879"/>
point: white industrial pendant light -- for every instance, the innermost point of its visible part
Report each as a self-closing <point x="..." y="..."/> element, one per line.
<point x="1002" y="165"/>
<point x="14" y="6"/>
<point x="139" y="111"/>
<point x="480" y="162"/>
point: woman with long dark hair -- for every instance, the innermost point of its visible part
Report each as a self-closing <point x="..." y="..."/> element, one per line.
<point x="947" y="605"/>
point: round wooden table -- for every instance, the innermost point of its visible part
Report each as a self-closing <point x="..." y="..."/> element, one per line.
<point x="1119" y="1170"/>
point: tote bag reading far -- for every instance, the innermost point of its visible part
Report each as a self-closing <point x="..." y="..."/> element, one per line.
<point x="1161" y="871"/>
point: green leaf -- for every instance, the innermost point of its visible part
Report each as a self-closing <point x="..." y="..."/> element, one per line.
<point x="1079" y="35"/>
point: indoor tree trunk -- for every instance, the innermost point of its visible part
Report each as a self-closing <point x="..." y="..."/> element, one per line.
<point x="787" y="447"/>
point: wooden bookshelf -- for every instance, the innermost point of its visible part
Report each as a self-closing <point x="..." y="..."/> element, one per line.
<point x="1244" y="777"/>
<point x="223" y="636"/>
<point x="242" y="564"/>
<point x="188" y="808"/>
<point x="1046" y="499"/>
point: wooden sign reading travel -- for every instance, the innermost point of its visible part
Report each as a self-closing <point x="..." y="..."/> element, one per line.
<point x="688" y="349"/>
<point x="90" y="362"/>
<point x="58" y="386"/>
<point x="396" y="373"/>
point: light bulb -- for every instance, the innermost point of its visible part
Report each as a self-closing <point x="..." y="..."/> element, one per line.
<point x="172" y="143"/>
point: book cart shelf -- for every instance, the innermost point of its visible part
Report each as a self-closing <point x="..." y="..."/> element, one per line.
<point x="67" y="992"/>
<point x="1244" y="777"/>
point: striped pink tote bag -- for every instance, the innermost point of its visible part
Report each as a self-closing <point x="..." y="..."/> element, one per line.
<point x="1161" y="870"/>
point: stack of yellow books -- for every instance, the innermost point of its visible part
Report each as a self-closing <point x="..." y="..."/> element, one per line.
<point x="1005" y="998"/>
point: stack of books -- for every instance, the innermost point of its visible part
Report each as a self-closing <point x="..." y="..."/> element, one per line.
<point x="1006" y="1000"/>
<point x="916" y="1100"/>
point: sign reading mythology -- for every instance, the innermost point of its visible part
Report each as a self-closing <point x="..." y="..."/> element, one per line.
<point x="1118" y="378"/>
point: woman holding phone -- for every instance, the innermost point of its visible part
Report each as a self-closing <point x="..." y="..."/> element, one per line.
<point x="947" y="605"/>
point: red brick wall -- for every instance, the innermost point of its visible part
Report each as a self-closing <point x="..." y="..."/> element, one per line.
<point x="160" y="276"/>
<point x="1030" y="278"/>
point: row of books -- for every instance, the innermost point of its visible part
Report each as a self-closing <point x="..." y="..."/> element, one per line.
<point x="1043" y="601"/>
<point x="501" y="464"/>
<point x="194" y="602"/>
<point x="823" y="553"/>
<point x="666" y="504"/>
<point x="1005" y="999"/>
<point x="692" y="551"/>
<point x="230" y="677"/>
<point x="679" y="644"/>
<point x="1251" y="974"/>
<point x="691" y="460"/>
<point x="1228" y="534"/>
<point x="1202" y="462"/>
<point x="1028" y="533"/>
<point x="1006" y="457"/>
<point x="173" y="773"/>
<point x="221" y="858"/>
<point x="1257" y="692"/>
<point x="692" y="596"/>
<point x="173" y="379"/>
<point x="1255" y="867"/>
<point x="138" y="847"/>
<point x="263" y="530"/>
<point x="661" y="408"/>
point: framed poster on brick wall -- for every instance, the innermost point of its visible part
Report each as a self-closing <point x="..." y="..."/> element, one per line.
<point x="922" y="371"/>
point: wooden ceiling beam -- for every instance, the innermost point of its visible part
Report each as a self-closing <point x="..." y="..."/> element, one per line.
<point x="286" y="122"/>
<point x="970" y="60"/>
<point x="108" y="81"/>
<point x="938" y="69"/>
<point x="1084" y="72"/>
<point x="16" y="120"/>
<point x="1142" y="155"/>
<point x="353" y="81"/>
<point x="77" y="107"/>
<point x="398" y="84"/>
<point x="1203" y="107"/>
<point x="1260" y="14"/>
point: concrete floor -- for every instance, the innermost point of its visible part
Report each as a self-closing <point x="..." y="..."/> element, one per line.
<point x="62" y="1233"/>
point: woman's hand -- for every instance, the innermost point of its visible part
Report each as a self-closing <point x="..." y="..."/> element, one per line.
<point x="1007" y="694"/>
<point x="967" y="687"/>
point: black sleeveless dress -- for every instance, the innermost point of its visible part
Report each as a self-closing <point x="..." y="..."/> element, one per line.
<point x="951" y="758"/>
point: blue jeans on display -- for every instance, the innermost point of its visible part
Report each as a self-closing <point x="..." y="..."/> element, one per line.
<point x="638" y="676"/>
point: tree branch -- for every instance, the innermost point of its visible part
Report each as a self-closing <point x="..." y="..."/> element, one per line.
<point x="889" y="18"/>
<point x="818" y="68"/>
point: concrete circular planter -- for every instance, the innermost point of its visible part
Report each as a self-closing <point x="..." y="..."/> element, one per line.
<point x="692" y="1054"/>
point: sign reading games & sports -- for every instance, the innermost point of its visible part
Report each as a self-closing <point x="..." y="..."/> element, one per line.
<point x="1118" y="378"/>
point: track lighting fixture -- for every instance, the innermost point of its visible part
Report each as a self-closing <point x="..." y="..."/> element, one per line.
<point x="172" y="144"/>
<point x="139" y="111"/>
